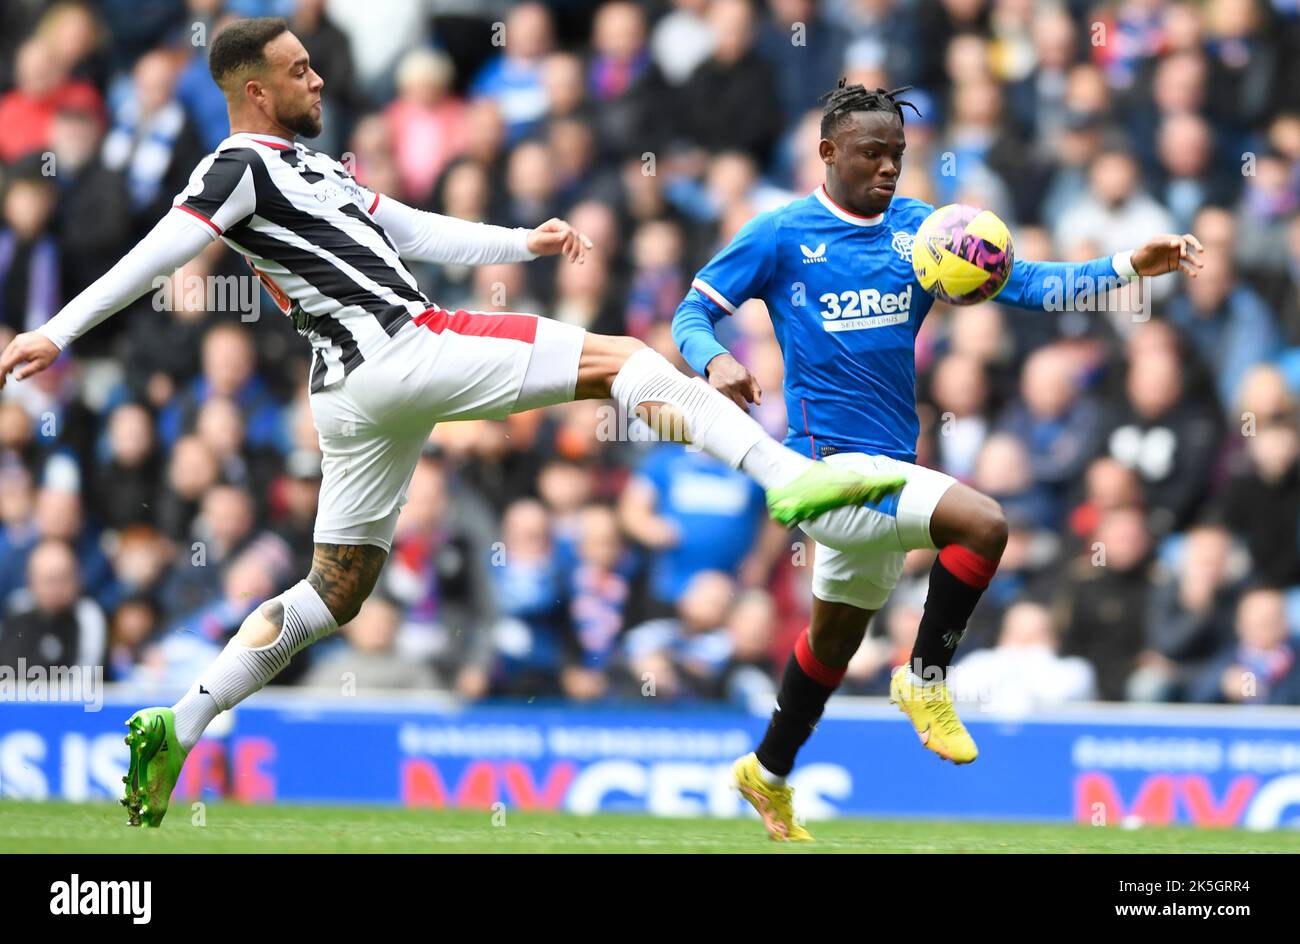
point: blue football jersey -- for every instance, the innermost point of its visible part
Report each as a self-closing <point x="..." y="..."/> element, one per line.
<point x="846" y="307"/>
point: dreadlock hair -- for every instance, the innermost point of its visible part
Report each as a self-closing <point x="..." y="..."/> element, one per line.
<point x="845" y="99"/>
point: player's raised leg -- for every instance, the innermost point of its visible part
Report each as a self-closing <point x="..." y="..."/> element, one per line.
<point x="970" y="531"/>
<point x="645" y="384"/>
<point x="341" y="578"/>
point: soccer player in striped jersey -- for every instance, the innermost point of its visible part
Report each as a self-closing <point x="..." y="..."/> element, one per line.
<point x="387" y="364"/>
<point x="835" y="271"/>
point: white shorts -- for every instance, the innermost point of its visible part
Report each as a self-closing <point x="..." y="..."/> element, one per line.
<point x="872" y="541"/>
<point x="444" y="365"/>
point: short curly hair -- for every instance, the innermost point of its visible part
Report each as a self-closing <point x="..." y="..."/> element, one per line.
<point x="241" y="45"/>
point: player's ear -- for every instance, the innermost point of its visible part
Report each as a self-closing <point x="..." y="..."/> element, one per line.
<point x="826" y="148"/>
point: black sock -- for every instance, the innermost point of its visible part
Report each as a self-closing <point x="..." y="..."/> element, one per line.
<point x="948" y="605"/>
<point x="799" y="706"/>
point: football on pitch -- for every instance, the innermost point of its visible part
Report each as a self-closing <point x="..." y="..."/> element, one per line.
<point x="962" y="254"/>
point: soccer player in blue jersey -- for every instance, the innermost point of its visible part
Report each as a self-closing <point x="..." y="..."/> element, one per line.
<point x="835" y="271"/>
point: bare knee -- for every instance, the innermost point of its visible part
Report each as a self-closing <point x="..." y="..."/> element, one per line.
<point x="988" y="529"/>
<point x="970" y="519"/>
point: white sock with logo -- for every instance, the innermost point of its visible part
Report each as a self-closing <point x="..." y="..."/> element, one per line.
<point x="194" y="712"/>
<point x="713" y="422"/>
<point x="239" y="671"/>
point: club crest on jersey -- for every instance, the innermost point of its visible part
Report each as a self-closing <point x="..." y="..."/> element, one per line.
<point x="813" y="255"/>
<point x="903" y="245"/>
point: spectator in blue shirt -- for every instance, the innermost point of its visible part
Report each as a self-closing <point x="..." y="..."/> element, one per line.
<point x="532" y="635"/>
<point x="514" y="79"/>
<point x="229" y="370"/>
<point x="599" y="585"/>
<point x="687" y="655"/>
<point x="1058" y="427"/>
<point x="1262" y="666"/>
<point x="806" y="52"/>
<point x="694" y="514"/>
<point x="1228" y="323"/>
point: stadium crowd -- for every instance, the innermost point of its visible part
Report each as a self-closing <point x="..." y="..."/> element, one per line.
<point x="161" y="479"/>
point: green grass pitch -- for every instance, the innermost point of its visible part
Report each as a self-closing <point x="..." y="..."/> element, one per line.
<point x="69" y="827"/>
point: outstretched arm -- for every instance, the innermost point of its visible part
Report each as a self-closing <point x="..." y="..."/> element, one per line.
<point x="178" y="238"/>
<point x="1044" y="284"/>
<point x="432" y="237"/>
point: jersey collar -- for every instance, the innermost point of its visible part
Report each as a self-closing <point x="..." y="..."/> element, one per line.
<point x="846" y="215"/>
<point x="281" y="144"/>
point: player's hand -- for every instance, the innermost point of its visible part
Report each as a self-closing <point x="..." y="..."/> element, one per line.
<point x="30" y="353"/>
<point x="556" y="235"/>
<point x="730" y="378"/>
<point x="1169" y="253"/>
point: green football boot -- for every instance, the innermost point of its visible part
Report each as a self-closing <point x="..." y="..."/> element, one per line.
<point x="156" y="761"/>
<point x="823" y="487"/>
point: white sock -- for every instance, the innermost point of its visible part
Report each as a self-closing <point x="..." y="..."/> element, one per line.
<point x="240" y="671"/>
<point x="194" y="712"/>
<point x="714" y="423"/>
<point x="772" y="465"/>
<point x="772" y="779"/>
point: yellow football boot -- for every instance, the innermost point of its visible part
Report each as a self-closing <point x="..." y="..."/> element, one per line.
<point x="929" y="707"/>
<point x="774" y="804"/>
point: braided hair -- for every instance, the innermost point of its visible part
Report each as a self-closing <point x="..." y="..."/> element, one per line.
<point x="845" y="99"/>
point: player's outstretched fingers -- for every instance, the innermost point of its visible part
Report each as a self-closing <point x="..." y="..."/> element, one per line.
<point x="30" y="353"/>
<point x="1189" y="254"/>
<point x="11" y="358"/>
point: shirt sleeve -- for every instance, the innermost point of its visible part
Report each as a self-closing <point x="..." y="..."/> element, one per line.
<point x="1044" y="285"/>
<point x="176" y="239"/>
<point x="742" y="270"/>
<point x="221" y="192"/>
<point x="695" y="331"/>
<point x="432" y="237"/>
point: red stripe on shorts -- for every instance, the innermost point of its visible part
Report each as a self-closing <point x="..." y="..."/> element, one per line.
<point x="480" y="324"/>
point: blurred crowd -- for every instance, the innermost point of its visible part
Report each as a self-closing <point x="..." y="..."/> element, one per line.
<point x="161" y="479"/>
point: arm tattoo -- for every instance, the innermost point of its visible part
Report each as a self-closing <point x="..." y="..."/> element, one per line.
<point x="344" y="575"/>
